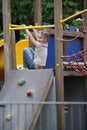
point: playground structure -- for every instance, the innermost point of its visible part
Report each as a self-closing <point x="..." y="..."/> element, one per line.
<point x="19" y="93"/>
<point x="19" y="58"/>
<point x="58" y="60"/>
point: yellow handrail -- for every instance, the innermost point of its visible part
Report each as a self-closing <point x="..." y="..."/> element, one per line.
<point x="21" y="27"/>
<point x="73" y="16"/>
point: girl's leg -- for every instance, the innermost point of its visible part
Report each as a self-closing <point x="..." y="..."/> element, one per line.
<point x="28" y="58"/>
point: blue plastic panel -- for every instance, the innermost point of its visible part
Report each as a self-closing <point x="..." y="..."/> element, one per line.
<point x="73" y="47"/>
<point x="51" y="53"/>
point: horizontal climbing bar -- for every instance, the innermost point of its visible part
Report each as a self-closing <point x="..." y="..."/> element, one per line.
<point x="73" y="16"/>
<point x="21" y="27"/>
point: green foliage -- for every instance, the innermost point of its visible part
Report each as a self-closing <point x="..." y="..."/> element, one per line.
<point x="70" y="7"/>
<point x="22" y="11"/>
<point x="77" y="23"/>
<point x="48" y="11"/>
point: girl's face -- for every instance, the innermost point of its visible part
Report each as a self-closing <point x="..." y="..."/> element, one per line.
<point x="41" y="38"/>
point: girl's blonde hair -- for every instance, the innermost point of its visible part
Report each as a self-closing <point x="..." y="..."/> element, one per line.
<point x="45" y="33"/>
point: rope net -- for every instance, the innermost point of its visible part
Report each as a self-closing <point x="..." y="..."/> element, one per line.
<point x="78" y="64"/>
<point x="77" y="61"/>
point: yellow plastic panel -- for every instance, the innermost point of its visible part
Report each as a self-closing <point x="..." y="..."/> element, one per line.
<point x="19" y="51"/>
<point x="19" y="46"/>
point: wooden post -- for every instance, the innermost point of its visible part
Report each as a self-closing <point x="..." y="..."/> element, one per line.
<point x="85" y="46"/>
<point x="9" y="39"/>
<point x="85" y="7"/>
<point x="85" y="17"/>
<point x="59" y="62"/>
<point x="37" y="12"/>
<point x="6" y="22"/>
<point x="12" y="51"/>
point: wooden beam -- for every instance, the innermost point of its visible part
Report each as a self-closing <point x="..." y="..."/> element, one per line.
<point x="85" y="7"/>
<point x="59" y="62"/>
<point x="37" y="12"/>
<point x="68" y="34"/>
<point x="85" y="45"/>
<point x="6" y="21"/>
<point x="86" y="98"/>
<point x="9" y="39"/>
<point x="85" y="24"/>
<point x="12" y="51"/>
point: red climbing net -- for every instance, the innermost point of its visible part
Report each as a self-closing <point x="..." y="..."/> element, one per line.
<point x="77" y="61"/>
<point x="78" y="64"/>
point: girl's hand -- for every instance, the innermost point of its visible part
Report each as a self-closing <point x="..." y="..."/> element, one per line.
<point x="23" y="25"/>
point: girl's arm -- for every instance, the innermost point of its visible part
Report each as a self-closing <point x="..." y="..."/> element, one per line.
<point x="30" y="36"/>
<point x="35" y="33"/>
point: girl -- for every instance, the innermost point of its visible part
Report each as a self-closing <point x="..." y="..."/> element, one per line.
<point x="36" y="59"/>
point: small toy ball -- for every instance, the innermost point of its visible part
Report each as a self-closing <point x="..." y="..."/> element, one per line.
<point x="21" y="82"/>
<point x="9" y="117"/>
<point x="29" y="93"/>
